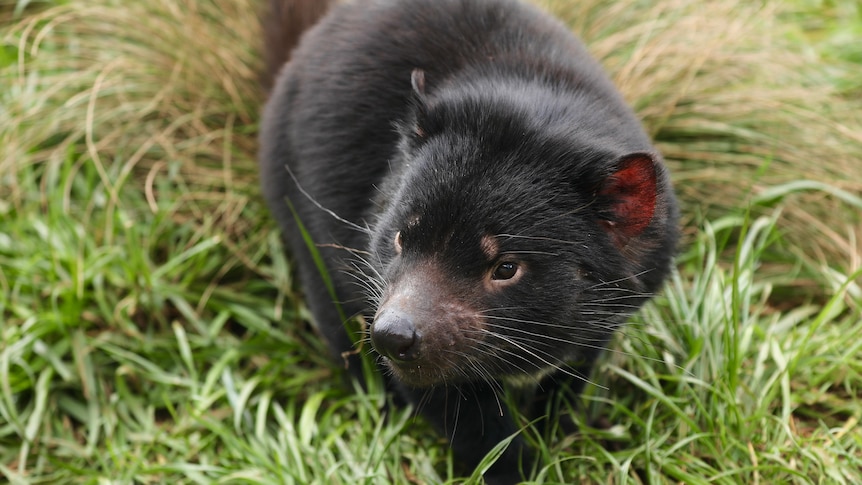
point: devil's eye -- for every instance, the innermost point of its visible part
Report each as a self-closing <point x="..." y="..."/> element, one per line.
<point x="397" y="242"/>
<point x="505" y="271"/>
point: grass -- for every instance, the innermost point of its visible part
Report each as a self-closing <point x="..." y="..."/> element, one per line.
<point x="150" y="331"/>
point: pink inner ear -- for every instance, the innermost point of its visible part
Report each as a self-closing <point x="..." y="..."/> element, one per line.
<point x="633" y="189"/>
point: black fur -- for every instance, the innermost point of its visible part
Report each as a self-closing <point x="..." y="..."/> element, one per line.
<point x="477" y="187"/>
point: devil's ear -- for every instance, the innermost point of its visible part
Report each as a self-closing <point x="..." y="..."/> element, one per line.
<point x="631" y="194"/>
<point x="417" y="81"/>
<point x="420" y="103"/>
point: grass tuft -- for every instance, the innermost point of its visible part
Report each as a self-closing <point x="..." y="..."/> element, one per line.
<point x="738" y="104"/>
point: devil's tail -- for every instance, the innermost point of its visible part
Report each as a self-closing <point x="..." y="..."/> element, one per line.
<point x="283" y="23"/>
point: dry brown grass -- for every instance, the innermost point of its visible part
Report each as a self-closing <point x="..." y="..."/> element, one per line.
<point x="738" y="107"/>
<point x="168" y="88"/>
<point x="146" y="91"/>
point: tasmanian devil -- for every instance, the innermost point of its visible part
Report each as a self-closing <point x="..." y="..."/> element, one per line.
<point x="474" y="186"/>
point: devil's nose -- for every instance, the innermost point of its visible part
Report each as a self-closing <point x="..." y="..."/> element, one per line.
<point x="393" y="334"/>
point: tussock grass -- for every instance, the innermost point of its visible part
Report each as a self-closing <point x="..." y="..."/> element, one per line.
<point x="145" y="91"/>
<point x="738" y="105"/>
<point x="149" y="327"/>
